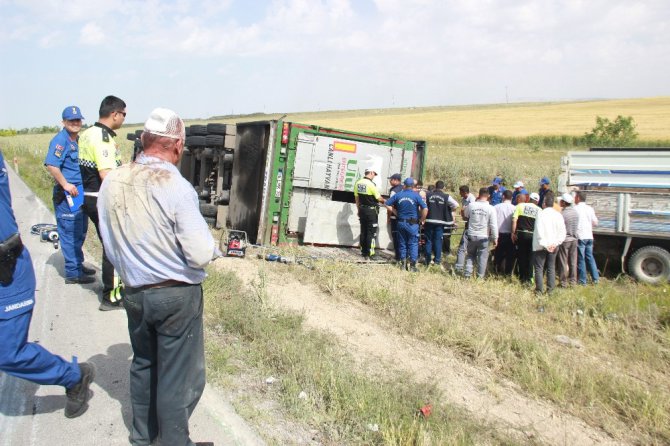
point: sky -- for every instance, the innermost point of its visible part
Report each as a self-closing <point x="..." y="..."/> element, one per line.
<point x="218" y="57"/>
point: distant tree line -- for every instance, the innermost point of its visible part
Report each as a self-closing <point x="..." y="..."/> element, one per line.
<point x="33" y="130"/>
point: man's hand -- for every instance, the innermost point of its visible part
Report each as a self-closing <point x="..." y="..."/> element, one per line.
<point x="71" y="189"/>
<point x="551" y="248"/>
<point x="514" y="237"/>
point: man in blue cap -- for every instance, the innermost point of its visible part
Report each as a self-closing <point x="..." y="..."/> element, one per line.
<point x="62" y="162"/>
<point x="18" y="357"/>
<point x="544" y="188"/>
<point x="496" y="190"/>
<point x="405" y="205"/>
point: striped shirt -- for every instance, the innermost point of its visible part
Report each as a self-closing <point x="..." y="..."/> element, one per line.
<point x="571" y="219"/>
<point x="151" y="225"/>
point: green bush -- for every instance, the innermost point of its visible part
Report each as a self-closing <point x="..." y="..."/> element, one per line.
<point x="619" y="133"/>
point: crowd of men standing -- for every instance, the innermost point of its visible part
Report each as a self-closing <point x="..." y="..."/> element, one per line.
<point x="155" y="241"/>
<point x="529" y="234"/>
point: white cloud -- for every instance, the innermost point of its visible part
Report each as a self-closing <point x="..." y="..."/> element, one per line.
<point x="91" y="34"/>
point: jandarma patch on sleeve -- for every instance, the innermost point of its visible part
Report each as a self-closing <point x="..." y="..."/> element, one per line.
<point x="59" y="150"/>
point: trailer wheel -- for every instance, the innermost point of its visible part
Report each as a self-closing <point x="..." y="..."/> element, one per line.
<point x="214" y="140"/>
<point x="208" y="210"/>
<point x="195" y="141"/>
<point x="198" y="130"/>
<point x="216" y="128"/>
<point x="650" y="264"/>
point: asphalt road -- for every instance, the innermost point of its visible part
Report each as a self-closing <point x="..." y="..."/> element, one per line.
<point x="67" y="322"/>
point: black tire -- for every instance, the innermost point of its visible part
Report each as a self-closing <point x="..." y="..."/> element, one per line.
<point x="208" y="210"/>
<point x="139" y="132"/>
<point x="224" y="198"/>
<point x="187" y="131"/>
<point x="214" y="140"/>
<point x="650" y="264"/>
<point x="195" y="141"/>
<point x="198" y="130"/>
<point x="228" y="159"/>
<point x="216" y="128"/>
<point x="131" y="136"/>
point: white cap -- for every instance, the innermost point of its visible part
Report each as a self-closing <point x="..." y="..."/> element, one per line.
<point x="568" y="198"/>
<point x="373" y="164"/>
<point x="535" y="196"/>
<point x="518" y="184"/>
<point x="165" y="122"/>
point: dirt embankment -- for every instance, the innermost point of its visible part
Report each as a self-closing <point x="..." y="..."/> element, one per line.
<point x="377" y="346"/>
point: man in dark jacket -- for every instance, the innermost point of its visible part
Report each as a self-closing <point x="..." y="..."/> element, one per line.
<point x="440" y="208"/>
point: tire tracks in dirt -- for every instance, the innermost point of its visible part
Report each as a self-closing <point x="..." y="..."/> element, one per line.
<point x="463" y="385"/>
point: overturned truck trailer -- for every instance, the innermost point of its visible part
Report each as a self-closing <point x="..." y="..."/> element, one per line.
<point x="286" y="182"/>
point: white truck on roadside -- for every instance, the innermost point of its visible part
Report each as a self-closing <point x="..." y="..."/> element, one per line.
<point x="629" y="190"/>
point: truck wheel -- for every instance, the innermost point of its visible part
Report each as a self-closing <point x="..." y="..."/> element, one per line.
<point x="208" y="210"/>
<point x="214" y="140"/>
<point x="195" y="141"/>
<point x="198" y="130"/>
<point x="650" y="264"/>
<point x="216" y="129"/>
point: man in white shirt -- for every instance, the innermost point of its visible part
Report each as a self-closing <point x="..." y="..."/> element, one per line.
<point x="504" y="253"/>
<point x="482" y="230"/>
<point x="466" y="199"/>
<point x="587" y="221"/>
<point x="548" y="235"/>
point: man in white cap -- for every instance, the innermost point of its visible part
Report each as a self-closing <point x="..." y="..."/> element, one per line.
<point x="548" y="235"/>
<point x="518" y="187"/>
<point x="367" y="197"/>
<point x="568" y="252"/>
<point x="159" y="243"/>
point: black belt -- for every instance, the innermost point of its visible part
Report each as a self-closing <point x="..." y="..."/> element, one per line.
<point x="412" y="221"/>
<point x="164" y="284"/>
<point x="10" y="250"/>
<point x="368" y="206"/>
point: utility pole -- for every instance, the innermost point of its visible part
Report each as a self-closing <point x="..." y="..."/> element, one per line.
<point x="506" y="95"/>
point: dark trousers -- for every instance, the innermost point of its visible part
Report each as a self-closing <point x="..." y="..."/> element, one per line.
<point x="434" y="234"/>
<point x="567" y="263"/>
<point x="542" y="259"/>
<point x="29" y="360"/>
<point x="167" y="374"/>
<point x="91" y="210"/>
<point x="504" y="254"/>
<point x="369" y="225"/>
<point x="524" y="252"/>
<point x="394" y="236"/>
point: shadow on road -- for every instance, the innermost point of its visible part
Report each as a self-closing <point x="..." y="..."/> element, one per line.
<point x="113" y="375"/>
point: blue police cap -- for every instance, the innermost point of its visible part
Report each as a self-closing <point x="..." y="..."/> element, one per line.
<point x="72" y="112"/>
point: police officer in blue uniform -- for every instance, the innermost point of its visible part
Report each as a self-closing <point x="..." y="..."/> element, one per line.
<point x="18" y="357"/>
<point x="405" y="205"/>
<point x="396" y="186"/>
<point x="62" y="162"/>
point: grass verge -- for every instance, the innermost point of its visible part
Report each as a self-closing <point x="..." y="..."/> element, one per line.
<point x="341" y="402"/>
<point x="619" y="377"/>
